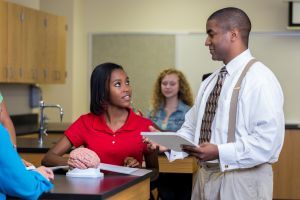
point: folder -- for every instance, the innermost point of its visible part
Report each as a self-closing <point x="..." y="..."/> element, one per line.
<point x="171" y="140"/>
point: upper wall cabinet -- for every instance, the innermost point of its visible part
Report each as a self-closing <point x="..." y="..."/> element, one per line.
<point x="52" y="46"/>
<point x="3" y="40"/>
<point x="15" y="48"/>
<point x="36" y="45"/>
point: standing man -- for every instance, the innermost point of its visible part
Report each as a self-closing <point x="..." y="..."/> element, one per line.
<point x="234" y="163"/>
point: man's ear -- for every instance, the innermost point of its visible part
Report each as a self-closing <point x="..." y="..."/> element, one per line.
<point x="235" y="34"/>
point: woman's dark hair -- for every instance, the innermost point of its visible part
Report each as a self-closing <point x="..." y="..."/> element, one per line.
<point x="100" y="79"/>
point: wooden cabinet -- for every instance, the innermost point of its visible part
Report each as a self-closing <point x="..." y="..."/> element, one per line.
<point x="46" y="57"/>
<point x="30" y="45"/>
<point x="286" y="170"/>
<point x="22" y="44"/>
<point x="60" y="73"/>
<point x="15" y="43"/>
<point x="3" y="40"/>
<point x="33" y="45"/>
<point x="52" y="58"/>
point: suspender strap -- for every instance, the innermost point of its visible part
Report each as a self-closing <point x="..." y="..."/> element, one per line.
<point x="233" y="103"/>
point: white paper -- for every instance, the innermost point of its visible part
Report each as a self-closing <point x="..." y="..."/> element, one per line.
<point x="170" y="140"/>
<point x="119" y="169"/>
<point x="85" y="173"/>
<point x="31" y="167"/>
<point x="141" y="172"/>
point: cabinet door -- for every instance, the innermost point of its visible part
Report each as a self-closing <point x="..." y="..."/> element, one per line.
<point x="15" y="42"/>
<point x="3" y="42"/>
<point x="36" y="45"/>
<point x="51" y="47"/>
<point x="61" y="50"/>
<point x="42" y="72"/>
<point x="47" y="31"/>
<point x="30" y="42"/>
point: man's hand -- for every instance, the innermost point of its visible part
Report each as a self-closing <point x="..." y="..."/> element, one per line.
<point x="205" y="151"/>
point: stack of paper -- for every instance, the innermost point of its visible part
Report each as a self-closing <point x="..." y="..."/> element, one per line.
<point x="85" y="173"/>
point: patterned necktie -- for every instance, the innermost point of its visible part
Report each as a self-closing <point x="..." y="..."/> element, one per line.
<point x="210" y="108"/>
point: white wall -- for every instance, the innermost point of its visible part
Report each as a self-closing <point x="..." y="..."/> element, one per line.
<point x="176" y="15"/>
<point x="72" y="96"/>
<point x="279" y="51"/>
<point x="141" y="16"/>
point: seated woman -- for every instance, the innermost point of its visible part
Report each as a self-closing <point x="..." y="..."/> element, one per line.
<point x="15" y="180"/>
<point x="111" y="129"/>
<point x="172" y="98"/>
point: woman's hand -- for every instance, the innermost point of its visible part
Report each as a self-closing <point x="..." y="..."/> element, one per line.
<point x="131" y="162"/>
<point x="46" y="172"/>
<point x="152" y="146"/>
<point x="83" y="158"/>
<point x="26" y="163"/>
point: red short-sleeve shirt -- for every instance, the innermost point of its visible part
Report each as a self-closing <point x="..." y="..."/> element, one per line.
<point x="92" y="132"/>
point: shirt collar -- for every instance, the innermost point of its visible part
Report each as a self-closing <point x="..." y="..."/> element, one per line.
<point x="181" y="106"/>
<point x="239" y="61"/>
<point x="130" y="124"/>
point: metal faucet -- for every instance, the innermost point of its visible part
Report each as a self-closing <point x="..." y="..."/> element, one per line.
<point x="42" y="129"/>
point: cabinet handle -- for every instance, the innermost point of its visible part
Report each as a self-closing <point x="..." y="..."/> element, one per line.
<point x="20" y="72"/>
<point x="22" y="16"/>
<point x="33" y="74"/>
<point x="45" y="73"/>
<point x="58" y="75"/>
<point x="45" y="22"/>
<point x="9" y="72"/>
<point x="6" y="72"/>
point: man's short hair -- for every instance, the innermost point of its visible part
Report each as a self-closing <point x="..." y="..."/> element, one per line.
<point x="230" y="18"/>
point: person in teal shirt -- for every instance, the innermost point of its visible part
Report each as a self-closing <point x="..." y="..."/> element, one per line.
<point x="15" y="180"/>
<point x="5" y="120"/>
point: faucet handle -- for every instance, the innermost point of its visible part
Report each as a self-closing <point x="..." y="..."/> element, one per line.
<point x="45" y="132"/>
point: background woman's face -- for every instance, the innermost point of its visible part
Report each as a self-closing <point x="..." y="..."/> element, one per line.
<point x="170" y="85"/>
<point x="119" y="89"/>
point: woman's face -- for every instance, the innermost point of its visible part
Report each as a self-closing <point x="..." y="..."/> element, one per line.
<point x="170" y="86"/>
<point x="119" y="89"/>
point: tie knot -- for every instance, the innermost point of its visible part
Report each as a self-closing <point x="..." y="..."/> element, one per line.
<point x="223" y="70"/>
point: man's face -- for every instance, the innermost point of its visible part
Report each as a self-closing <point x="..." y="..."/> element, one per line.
<point x="218" y="41"/>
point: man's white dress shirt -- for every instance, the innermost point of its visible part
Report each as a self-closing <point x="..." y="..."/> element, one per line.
<point x="260" y="122"/>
